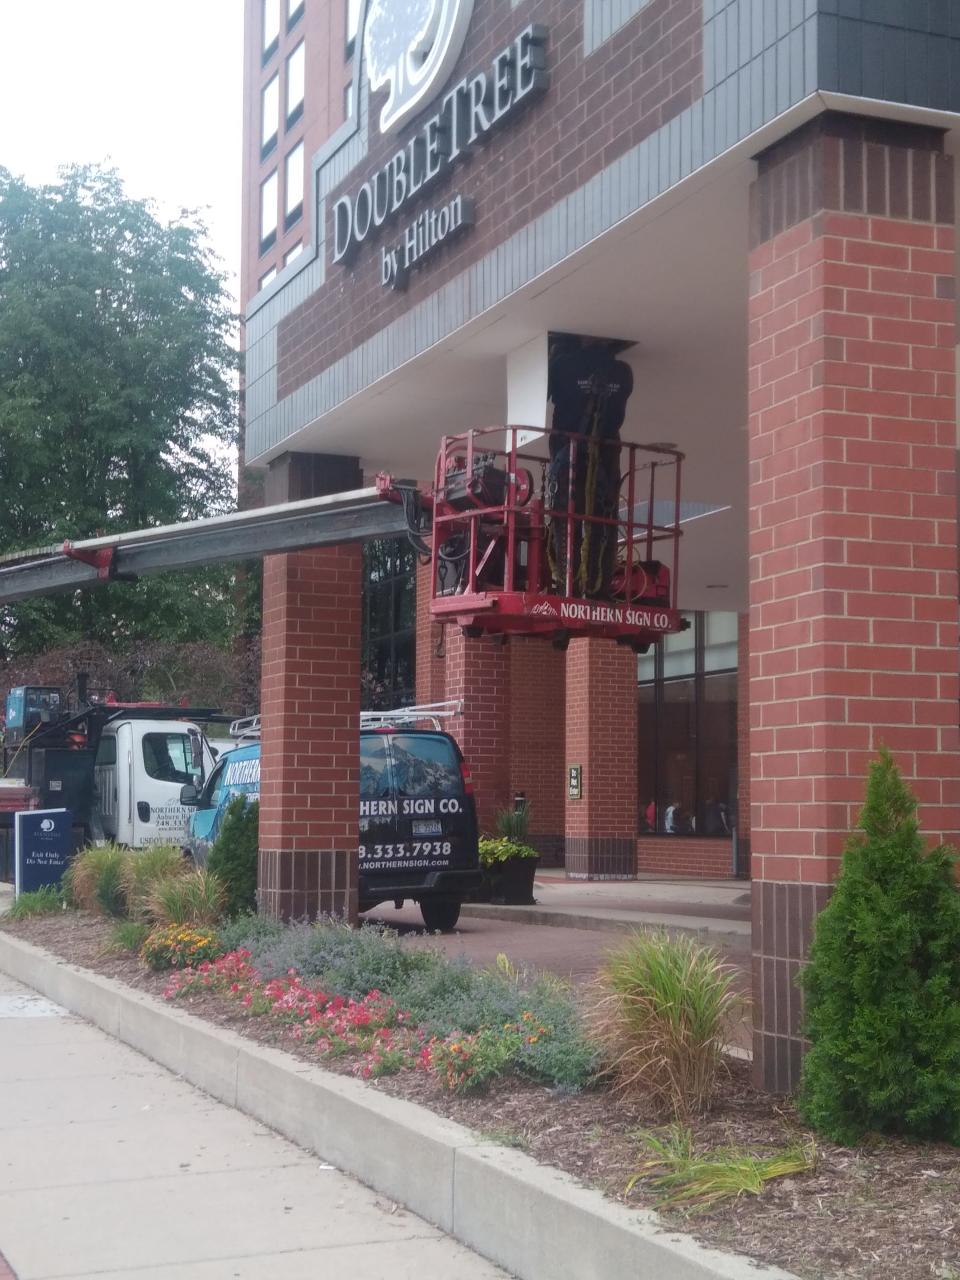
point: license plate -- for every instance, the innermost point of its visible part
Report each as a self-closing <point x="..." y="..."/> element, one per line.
<point x="430" y="828"/>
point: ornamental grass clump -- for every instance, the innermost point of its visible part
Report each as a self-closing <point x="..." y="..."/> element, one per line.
<point x="195" y="898"/>
<point x="883" y="983"/>
<point x="44" y="901"/>
<point x="96" y="879"/>
<point x="663" y="1014"/>
<point x="144" y="870"/>
<point x="684" y="1179"/>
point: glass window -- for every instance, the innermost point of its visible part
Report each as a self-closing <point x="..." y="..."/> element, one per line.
<point x="294" y="11"/>
<point x="389" y="623"/>
<point x="353" y="24"/>
<point x="687" y="724"/>
<point x="268" y="211"/>
<point x="293" y="180"/>
<point x="719" y="641"/>
<point x="271" y="26"/>
<point x="268" y="277"/>
<point x="296" y="73"/>
<point x="107" y="750"/>
<point x="375" y="781"/>
<point x="295" y="252"/>
<point x="425" y="766"/>
<point x="269" y="115"/>
<point x="348" y="100"/>
<point x="166" y="757"/>
<point x="210" y="796"/>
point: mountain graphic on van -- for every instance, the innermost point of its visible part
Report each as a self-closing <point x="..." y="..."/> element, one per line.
<point x="419" y="776"/>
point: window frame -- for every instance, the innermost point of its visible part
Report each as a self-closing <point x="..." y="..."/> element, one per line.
<point x="294" y="214"/>
<point x="268" y="144"/>
<point x="268" y="50"/>
<point x="270" y="239"/>
<point x="292" y="114"/>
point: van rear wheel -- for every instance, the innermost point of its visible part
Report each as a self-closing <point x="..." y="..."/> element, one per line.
<point x="440" y="915"/>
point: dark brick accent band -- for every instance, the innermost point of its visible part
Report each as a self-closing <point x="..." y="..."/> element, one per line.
<point x="552" y="849"/>
<point x="852" y="164"/>
<point x="783" y="920"/>
<point x="601" y="858"/>
<point x="299" y="885"/>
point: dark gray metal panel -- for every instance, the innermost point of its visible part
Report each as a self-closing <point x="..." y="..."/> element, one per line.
<point x="893" y="50"/>
<point x="208" y="546"/>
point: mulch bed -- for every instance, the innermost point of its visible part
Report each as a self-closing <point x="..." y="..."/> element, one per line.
<point x="888" y="1208"/>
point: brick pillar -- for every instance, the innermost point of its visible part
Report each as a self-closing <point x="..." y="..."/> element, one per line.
<point x="478" y="675"/>
<point x="853" y="519"/>
<point x="537" y="673"/>
<point x="310" y="706"/>
<point x="601" y="737"/>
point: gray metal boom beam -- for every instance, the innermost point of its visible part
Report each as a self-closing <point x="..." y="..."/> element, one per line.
<point x="245" y="535"/>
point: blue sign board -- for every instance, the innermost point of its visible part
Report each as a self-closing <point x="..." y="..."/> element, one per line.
<point x="43" y="845"/>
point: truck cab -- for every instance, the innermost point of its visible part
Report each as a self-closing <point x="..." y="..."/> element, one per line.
<point x="140" y="768"/>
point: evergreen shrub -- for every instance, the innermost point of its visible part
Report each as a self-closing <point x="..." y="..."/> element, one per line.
<point x="883" y="983"/>
<point x="233" y="857"/>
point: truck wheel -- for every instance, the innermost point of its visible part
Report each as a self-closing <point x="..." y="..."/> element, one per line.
<point x="440" y="915"/>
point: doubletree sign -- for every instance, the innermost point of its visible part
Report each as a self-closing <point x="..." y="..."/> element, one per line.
<point x="467" y="114"/>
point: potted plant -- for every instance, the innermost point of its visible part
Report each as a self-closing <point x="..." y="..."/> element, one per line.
<point x="508" y="863"/>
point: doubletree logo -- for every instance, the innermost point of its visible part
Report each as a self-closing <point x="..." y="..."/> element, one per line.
<point x="412" y="46"/>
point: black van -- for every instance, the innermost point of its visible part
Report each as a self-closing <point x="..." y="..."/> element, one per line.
<point x="418" y="823"/>
<point x="418" y="834"/>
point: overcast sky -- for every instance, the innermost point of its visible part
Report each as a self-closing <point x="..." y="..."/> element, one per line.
<point x="154" y="87"/>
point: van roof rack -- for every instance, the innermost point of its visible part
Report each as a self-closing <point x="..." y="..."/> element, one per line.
<point x="247" y="728"/>
<point x="433" y="712"/>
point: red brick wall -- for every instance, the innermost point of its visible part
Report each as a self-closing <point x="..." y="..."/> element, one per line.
<point x="431" y="666"/>
<point x="685" y="856"/>
<point x="743" y="742"/>
<point x="596" y="109"/>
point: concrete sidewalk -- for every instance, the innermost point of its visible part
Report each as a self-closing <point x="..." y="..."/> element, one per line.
<point x="112" y="1167"/>
<point x="714" y="910"/>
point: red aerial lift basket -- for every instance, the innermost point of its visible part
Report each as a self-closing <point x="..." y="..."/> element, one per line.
<point x="548" y="533"/>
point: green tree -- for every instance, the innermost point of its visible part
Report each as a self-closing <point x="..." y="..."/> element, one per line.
<point x="883" y="982"/>
<point x="233" y="856"/>
<point x="118" y="404"/>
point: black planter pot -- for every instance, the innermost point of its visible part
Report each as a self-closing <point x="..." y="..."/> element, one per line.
<point x="511" y="882"/>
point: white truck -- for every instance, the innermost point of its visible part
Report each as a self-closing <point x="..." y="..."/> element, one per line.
<point x="140" y="768"/>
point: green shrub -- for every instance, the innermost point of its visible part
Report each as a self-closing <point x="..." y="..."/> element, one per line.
<point x="883" y="982"/>
<point x="662" y="1018"/>
<point x="233" y="857"/>
<point x="128" y="935"/>
<point x="195" y="898"/>
<point x="96" y="879"/>
<point x="502" y="849"/>
<point x="39" y="902"/>
<point x="145" y="869"/>
<point x="177" y="946"/>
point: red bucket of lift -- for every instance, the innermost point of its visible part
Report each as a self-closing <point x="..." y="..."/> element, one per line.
<point x="524" y="544"/>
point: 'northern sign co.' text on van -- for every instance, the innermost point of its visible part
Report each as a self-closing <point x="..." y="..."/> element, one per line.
<point x="467" y="114"/>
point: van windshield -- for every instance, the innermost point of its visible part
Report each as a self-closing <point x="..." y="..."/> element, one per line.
<point x="425" y="766"/>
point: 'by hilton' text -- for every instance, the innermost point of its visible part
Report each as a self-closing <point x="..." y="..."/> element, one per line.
<point x="467" y="114"/>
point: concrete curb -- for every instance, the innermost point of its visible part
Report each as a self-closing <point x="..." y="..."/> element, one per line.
<point x="713" y="929"/>
<point x="534" y="1221"/>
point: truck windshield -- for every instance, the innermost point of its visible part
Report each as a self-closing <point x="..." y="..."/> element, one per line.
<point x="425" y="766"/>
<point x="166" y="757"/>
